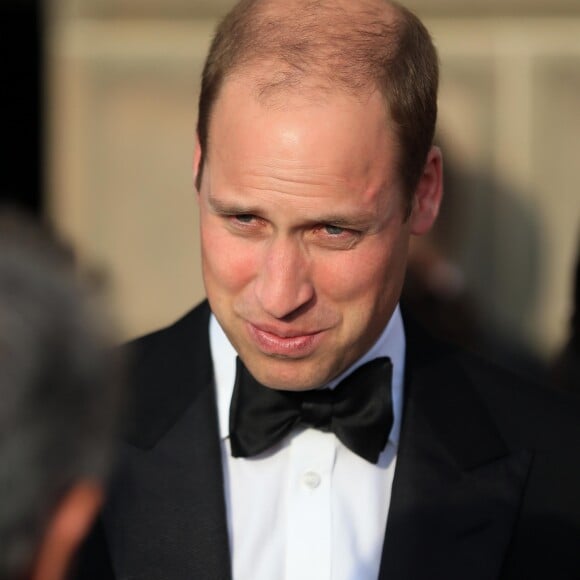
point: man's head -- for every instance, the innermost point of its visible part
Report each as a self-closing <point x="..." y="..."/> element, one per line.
<point x="59" y="405"/>
<point x="324" y="46"/>
<point x="304" y="168"/>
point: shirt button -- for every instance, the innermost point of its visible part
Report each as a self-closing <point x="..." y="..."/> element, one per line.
<point x="311" y="479"/>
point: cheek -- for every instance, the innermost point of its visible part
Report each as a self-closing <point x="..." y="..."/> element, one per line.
<point x="226" y="262"/>
<point x="358" y="276"/>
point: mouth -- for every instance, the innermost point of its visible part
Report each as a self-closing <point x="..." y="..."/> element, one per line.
<point x="284" y="343"/>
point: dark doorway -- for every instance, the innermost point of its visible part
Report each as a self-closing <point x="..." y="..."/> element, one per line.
<point x="21" y="102"/>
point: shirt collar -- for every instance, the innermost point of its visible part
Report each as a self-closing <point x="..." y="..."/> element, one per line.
<point x="390" y="343"/>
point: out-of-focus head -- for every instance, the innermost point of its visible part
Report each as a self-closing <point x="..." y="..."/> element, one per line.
<point x="319" y="47"/>
<point x="60" y="402"/>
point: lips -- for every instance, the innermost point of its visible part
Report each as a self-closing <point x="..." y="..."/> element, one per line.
<point x="285" y="343"/>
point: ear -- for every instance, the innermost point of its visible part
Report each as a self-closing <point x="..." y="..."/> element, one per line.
<point x="197" y="162"/>
<point x="428" y="195"/>
<point x="66" y="530"/>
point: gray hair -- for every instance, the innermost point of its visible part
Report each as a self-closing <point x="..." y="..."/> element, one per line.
<point x="59" y="396"/>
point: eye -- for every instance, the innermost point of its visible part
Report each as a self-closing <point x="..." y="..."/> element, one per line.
<point x="245" y="218"/>
<point x="246" y="224"/>
<point x="244" y="221"/>
<point x="336" y="237"/>
<point x="333" y="230"/>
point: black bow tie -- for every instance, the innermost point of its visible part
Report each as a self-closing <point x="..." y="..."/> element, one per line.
<point x="358" y="411"/>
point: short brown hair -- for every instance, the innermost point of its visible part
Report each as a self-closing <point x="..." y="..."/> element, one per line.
<point x="378" y="45"/>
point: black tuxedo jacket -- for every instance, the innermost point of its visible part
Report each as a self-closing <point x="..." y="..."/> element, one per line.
<point x="487" y="482"/>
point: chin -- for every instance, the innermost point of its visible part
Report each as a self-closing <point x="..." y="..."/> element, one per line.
<point x="288" y="374"/>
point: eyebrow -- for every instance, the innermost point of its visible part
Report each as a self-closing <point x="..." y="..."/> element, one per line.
<point x="225" y="207"/>
<point x="346" y="221"/>
<point x="362" y="221"/>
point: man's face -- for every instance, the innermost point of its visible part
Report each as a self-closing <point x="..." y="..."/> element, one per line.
<point x="303" y="231"/>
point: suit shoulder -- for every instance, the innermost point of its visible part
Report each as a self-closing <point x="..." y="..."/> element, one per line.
<point x="167" y="370"/>
<point x="526" y="413"/>
<point x="523" y="408"/>
<point x="192" y="326"/>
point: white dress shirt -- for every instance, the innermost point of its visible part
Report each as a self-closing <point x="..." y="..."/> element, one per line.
<point x="308" y="508"/>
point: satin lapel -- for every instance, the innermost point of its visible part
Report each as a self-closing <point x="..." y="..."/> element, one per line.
<point x="457" y="487"/>
<point x="166" y="515"/>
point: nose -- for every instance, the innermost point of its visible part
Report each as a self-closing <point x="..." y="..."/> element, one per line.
<point x="283" y="284"/>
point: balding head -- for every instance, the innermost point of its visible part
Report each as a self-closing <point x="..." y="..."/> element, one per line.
<point x="316" y="47"/>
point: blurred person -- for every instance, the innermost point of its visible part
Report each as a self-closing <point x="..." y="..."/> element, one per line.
<point x="439" y="293"/>
<point x="59" y="400"/>
<point x="297" y="425"/>
<point x="566" y="368"/>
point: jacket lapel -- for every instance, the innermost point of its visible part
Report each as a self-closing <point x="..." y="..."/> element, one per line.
<point x="172" y="525"/>
<point x="454" y="500"/>
<point x="457" y="487"/>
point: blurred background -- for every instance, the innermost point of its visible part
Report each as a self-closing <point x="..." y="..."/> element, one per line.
<point x="101" y="111"/>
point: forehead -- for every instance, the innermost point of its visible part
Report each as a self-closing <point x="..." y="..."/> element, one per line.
<point x="323" y="132"/>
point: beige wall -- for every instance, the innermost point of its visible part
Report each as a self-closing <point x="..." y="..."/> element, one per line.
<point x="123" y="87"/>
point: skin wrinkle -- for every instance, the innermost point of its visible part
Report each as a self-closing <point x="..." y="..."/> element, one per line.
<point x="363" y="222"/>
<point x="269" y="193"/>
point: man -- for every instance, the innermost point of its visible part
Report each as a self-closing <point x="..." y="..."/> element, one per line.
<point x="59" y="405"/>
<point x="248" y="455"/>
<point x="566" y="368"/>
